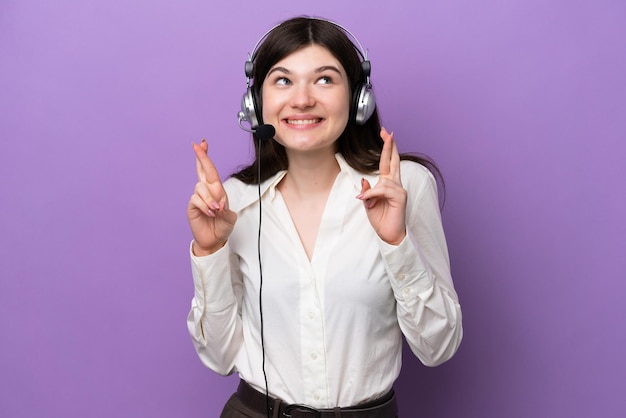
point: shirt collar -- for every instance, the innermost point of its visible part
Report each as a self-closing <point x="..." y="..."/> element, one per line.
<point x="354" y="175"/>
<point x="269" y="186"/>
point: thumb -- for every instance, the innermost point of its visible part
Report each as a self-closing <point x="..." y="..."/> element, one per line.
<point x="368" y="202"/>
<point x="365" y="185"/>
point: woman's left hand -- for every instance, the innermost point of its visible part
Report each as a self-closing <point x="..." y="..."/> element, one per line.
<point x="385" y="203"/>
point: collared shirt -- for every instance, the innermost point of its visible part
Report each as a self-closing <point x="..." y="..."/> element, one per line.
<point x="332" y="326"/>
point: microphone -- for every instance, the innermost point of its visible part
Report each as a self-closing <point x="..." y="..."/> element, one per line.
<point x="263" y="132"/>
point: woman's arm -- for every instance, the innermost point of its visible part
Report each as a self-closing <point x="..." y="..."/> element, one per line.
<point x="214" y="321"/>
<point x="428" y="308"/>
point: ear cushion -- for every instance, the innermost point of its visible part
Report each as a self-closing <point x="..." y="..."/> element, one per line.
<point x="363" y="105"/>
<point x="258" y="112"/>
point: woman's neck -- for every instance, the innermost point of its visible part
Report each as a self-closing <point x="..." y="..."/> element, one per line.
<point x="308" y="176"/>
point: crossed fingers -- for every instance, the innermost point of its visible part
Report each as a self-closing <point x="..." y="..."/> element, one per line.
<point x="389" y="165"/>
<point x="209" y="187"/>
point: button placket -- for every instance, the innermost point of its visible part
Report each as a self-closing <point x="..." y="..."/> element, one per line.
<point x="312" y="342"/>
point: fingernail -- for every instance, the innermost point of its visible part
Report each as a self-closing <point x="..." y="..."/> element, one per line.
<point x="203" y="140"/>
<point x="211" y="213"/>
<point x="359" y="196"/>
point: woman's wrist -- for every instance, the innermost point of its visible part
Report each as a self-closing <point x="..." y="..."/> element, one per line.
<point x="199" y="251"/>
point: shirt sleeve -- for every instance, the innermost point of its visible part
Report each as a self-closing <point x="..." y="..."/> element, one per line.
<point x="214" y="321"/>
<point x="428" y="309"/>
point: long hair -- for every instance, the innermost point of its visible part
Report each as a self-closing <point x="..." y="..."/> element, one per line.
<point x="360" y="145"/>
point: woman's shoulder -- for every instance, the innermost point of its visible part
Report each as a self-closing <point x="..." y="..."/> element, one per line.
<point x="235" y="185"/>
<point x="415" y="175"/>
<point x="422" y="188"/>
<point x="239" y="193"/>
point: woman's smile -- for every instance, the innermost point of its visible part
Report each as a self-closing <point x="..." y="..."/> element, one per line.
<point x="303" y="122"/>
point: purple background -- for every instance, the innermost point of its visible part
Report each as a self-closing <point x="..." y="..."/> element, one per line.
<point x="521" y="102"/>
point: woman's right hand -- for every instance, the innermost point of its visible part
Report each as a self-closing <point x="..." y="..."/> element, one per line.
<point x="209" y="216"/>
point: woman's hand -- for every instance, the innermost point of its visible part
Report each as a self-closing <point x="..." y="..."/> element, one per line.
<point x="210" y="219"/>
<point x="385" y="203"/>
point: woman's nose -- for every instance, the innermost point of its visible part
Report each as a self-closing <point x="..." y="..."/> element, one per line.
<point x="302" y="97"/>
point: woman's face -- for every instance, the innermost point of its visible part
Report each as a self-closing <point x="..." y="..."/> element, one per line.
<point x="306" y="97"/>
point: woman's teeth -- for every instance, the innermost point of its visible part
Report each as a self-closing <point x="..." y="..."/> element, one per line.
<point x="302" y="121"/>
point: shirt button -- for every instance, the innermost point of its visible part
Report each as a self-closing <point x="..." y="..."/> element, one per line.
<point x="311" y="315"/>
<point x="316" y="396"/>
<point x="314" y="356"/>
<point x="406" y="291"/>
<point x="401" y="277"/>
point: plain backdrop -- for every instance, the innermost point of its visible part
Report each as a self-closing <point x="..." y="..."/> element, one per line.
<point x="520" y="102"/>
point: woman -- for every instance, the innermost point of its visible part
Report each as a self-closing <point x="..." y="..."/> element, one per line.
<point x="350" y="255"/>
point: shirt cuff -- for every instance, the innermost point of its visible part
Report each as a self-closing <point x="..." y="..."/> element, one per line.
<point x="213" y="288"/>
<point x="409" y="275"/>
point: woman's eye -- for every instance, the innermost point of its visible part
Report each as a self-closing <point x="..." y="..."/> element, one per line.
<point x="325" y="80"/>
<point x="282" y="81"/>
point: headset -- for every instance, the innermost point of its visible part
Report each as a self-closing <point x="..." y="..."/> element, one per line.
<point x="363" y="100"/>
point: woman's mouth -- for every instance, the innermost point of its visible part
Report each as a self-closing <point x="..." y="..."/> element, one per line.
<point x="302" y="122"/>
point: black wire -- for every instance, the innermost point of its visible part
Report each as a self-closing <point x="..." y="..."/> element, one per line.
<point x="267" y="395"/>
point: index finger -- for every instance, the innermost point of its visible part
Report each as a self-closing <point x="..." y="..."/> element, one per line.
<point x="204" y="166"/>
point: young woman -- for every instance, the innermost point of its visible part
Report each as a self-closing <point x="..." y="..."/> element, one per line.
<point x="351" y="253"/>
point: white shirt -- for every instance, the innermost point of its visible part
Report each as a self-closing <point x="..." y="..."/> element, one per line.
<point x="333" y="326"/>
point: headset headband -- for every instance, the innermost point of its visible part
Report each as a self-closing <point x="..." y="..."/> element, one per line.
<point x="249" y="66"/>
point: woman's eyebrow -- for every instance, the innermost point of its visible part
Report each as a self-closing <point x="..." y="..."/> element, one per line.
<point x="328" y="67"/>
<point x="317" y="70"/>
<point x="281" y="69"/>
